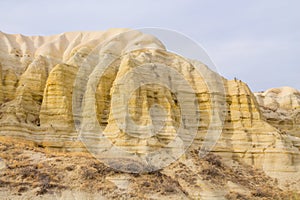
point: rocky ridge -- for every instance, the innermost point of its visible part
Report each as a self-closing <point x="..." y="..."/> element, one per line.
<point x="37" y="99"/>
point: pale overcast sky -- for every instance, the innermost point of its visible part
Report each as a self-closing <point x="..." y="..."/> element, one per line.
<point x="257" y="41"/>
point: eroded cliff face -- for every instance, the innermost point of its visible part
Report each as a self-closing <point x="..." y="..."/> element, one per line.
<point x="281" y="108"/>
<point x="40" y="76"/>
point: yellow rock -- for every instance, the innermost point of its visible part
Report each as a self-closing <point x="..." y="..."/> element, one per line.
<point x="42" y="75"/>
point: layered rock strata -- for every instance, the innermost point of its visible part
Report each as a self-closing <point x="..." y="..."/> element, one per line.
<point x="44" y="77"/>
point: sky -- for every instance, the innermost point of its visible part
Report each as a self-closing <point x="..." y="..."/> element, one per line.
<point x="256" y="41"/>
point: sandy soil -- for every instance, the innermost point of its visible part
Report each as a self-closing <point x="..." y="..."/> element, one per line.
<point x="29" y="172"/>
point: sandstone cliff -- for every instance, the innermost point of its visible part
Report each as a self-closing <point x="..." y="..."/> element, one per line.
<point x="44" y="77"/>
<point x="281" y="108"/>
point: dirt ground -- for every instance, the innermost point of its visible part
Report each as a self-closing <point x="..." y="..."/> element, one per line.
<point x="29" y="172"/>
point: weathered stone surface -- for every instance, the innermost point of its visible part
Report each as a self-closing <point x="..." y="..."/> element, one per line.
<point x="50" y="175"/>
<point x="281" y="108"/>
<point x="40" y="77"/>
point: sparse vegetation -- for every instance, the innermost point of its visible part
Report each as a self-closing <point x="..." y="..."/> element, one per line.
<point x="31" y="169"/>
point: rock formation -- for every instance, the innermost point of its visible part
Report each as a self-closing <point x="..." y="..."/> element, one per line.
<point x="44" y="77"/>
<point x="281" y="108"/>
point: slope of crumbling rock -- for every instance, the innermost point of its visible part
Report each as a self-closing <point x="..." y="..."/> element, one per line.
<point x="29" y="172"/>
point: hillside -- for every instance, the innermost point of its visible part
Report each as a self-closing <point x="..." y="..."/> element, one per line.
<point x="79" y="110"/>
